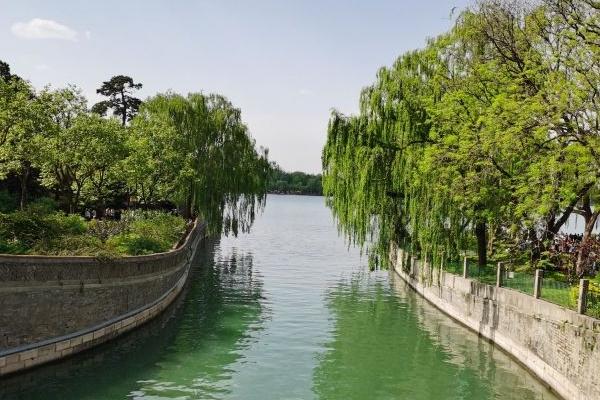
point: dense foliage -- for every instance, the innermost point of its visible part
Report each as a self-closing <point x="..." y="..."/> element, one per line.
<point x="42" y="229"/>
<point x="191" y="153"/>
<point x="282" y="182"/>
<point x="487" y="138"/>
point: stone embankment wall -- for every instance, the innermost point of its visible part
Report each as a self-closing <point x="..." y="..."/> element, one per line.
<point x="52" y="307"/>
<point x="559" y="346"/>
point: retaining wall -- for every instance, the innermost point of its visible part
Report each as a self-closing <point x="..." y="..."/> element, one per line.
<point x="559" y="346"/>
<point x="52" y="307"/>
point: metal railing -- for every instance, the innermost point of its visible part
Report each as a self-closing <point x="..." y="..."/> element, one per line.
<point x="583" y="297"/>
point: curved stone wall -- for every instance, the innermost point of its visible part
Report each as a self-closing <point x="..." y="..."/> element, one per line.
<point x="558" y="345"/>
<point x="51" y="307"/>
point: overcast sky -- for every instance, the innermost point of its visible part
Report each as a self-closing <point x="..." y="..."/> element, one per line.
<point x="284" y="63"/>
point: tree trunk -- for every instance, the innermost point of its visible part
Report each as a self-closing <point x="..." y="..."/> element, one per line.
<point x="100" y="208"/>
<point x="75" y="201"/>
<point x="124" y="116"/>
<point x="188" y="212"/>
<point x="23" y="178"/>
<point x="480" y="233"/>
<point x="583" y="252"/>
<point x="537" y="244"/>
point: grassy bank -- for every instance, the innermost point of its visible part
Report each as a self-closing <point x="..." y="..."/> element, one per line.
<point x="42" y="230"/>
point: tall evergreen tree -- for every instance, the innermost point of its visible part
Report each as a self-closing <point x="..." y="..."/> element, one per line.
<point x="120" y="101"/>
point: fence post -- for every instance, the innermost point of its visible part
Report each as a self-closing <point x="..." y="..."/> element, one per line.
<point x="465" y="267"/>
<point x="582" y="299"/>
<point x="499" y="275"/>
<point x="537" y="284"/>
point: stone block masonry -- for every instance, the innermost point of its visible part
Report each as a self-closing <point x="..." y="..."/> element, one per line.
<point x="558" y="345"/>
<point x="53" y="307"/>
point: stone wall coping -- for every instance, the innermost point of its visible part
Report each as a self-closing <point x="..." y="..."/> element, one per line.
<point x="49" y="259"/>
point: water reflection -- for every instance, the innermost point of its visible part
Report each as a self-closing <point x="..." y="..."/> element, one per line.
<point x="212" y="335"/>
<point x="388" y="343"/>
<point x="182" y="354"/>
<point x="506" y="377"/>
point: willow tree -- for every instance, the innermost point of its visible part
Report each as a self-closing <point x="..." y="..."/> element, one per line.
<point x="197" y="152"/>
<point x="490" y="131"/>
<point x="369" y="160"/>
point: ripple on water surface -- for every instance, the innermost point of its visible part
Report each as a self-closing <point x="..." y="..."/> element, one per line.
<point x="288" y="312"/>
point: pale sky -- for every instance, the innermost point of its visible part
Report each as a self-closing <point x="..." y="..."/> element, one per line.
<point x="285" y="63"/>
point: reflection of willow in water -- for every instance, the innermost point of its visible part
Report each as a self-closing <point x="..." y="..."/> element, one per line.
<point x="211" y="335"/>
<point x="379" y="348"/>
<point x="508" y="379"/>
<point x="181" y="353"/>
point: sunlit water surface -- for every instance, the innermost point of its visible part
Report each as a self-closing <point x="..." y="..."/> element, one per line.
<point x="288" y="312"/>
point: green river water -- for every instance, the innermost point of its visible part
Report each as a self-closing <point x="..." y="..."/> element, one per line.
<point x="287" y="312"/>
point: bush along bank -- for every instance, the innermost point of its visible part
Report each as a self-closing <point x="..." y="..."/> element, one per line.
<point x="52" y="232"/>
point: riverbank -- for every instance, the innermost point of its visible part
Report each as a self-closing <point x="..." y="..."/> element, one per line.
<point x="54" y="307"/>
<point x="288" y="311"/>
<point x="556" y="344"/>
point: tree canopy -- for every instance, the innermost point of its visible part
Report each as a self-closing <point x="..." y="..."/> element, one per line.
<point x="215" y="168"/>
<point x="120" y="100"/>
<point x="485" y="138"/>
<point x="190" y="152"/>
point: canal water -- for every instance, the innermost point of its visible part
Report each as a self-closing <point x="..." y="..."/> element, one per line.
<point x="288" y="312"/>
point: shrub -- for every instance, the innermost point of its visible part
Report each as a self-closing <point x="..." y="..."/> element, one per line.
<point x="153" y="232"/>
<point x="165" y="228"/>
<point x="72" y="245"/>
<point x="21" y="231"/>
<point x="13" y="247"/>
<point x="39" y="230"/>
<point x="68" y="224"/>
<point x="135" y="244"/>
<point x="104" y="229"/>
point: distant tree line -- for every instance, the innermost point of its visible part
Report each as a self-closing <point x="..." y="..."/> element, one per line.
<point x="282" y="182"/>
<point x="191" y="152"/>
